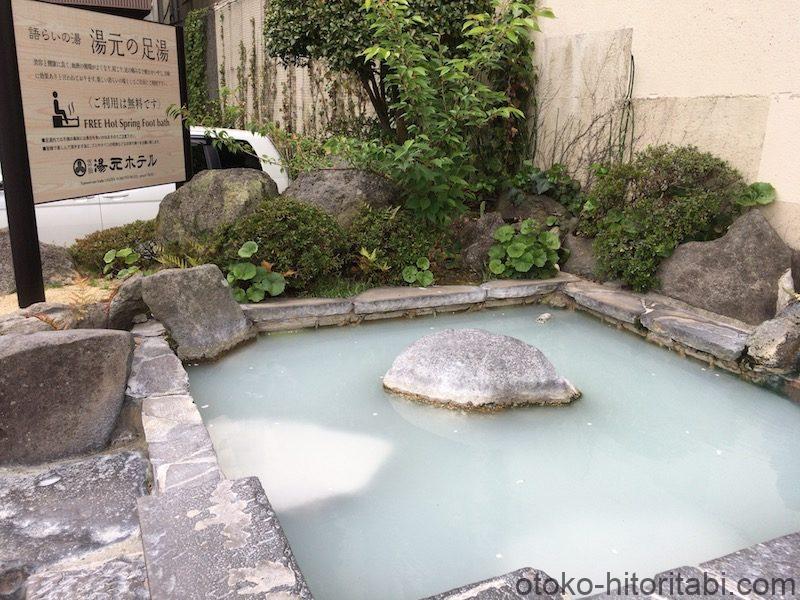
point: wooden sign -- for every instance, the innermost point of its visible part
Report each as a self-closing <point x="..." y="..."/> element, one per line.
<point x="84" y="98"/>
<point x="95" y="92"/>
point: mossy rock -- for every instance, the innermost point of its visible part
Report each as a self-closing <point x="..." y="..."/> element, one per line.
<point x="210" y="200"/>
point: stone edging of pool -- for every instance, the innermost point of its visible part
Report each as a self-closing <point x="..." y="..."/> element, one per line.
<point x="711" y="338"/>
<point x="251" y="548"/>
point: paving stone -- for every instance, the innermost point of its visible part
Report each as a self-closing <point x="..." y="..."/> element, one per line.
<point x="524" y="584"/>
<point x="119" y="577"/>
<point x="180" y="449"/>
<point x="524" y="288"/>
<point x="67" y="509"/>
<point x="772" y="560"/>
<point x="150" y="328"/>
<point x="219" y="540"/>
<point x="722" y="340"/>
<point x="689" y="582"/>
<point x="296" y="308"/>
<point x="409" y="298"/>
<point x="156" y="371"/>
<point x="607" y="301"/>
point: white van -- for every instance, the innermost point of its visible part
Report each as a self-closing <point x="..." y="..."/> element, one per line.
<point x="64" y="221"/>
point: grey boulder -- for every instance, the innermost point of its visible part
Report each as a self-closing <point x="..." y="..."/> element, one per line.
<point x="475" y="369"/>
<point x="57" y="265"/>
<point x="581" y="260"/>
<point x="197" y="308"/>
<point x="775" y="344"/>
<point x="126" y="304"/>
<point x="736" y="275"/>
<point x="211" y="199"/>
<point x="476" y="239"/>
<point x="343" y="192"/>
<point x="60" y="392"/>
<point x="786" y="291"/>
<point x="530" y="206"/>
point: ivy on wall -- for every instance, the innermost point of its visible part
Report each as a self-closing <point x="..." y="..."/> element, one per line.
<point x="194" y="38"/>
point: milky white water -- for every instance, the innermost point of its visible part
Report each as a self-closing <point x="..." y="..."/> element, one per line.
<point x="663" y="462"/>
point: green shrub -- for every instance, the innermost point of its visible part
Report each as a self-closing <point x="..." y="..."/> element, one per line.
<point x="632" y="242"/>
<point x="662" y="174"/>
<point x="391" y="239"/>
<point x="641" y="211"/>
<point x="298" y="240"/>
<point x="139" y="236"/>
<point x="529" y="252"/>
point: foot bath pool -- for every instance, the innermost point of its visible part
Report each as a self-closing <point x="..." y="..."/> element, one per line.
<point x="662" y="462"/>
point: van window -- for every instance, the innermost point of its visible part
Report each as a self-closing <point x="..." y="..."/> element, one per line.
<point x="239" y="160"/>
<point x="198" y="157"/>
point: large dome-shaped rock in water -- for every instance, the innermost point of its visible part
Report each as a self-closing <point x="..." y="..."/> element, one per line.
<point x="211" y="198"/>
<point x="475" y="369"/>
<point x="343" y="192"/>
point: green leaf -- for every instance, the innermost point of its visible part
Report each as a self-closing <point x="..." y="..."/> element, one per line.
<point x="131" y="258"/>
<point x="110" y="256"/>
<point x="423" y="263"/>
<point x="496" y="266"/>
<point x="248" y="249"/>
<point x="763" y="193"/>
<point x="539" y="257"/>
<point x="551" y="221"/>
<point x="550" y="240"/>
<point x="504" y="233"/>
<point x="255" y="294"/>
<point x="410" y="274"/>
<point x="528" y="226"/>
<point x="231" y="278"/>
<point x="244" y="271"/>
<point x="239" y="295"/>
<point x="425" y="278"/>
<point x="497" y="252"/>
<point x="276" y="284"/>
<point x="522" y="266"/>
<point x="124" y="252"/>
<point x="516" y="249"/>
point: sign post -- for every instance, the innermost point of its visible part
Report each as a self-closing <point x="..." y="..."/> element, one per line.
<point x="83" y="111"/>
<point x="17" y="183"/>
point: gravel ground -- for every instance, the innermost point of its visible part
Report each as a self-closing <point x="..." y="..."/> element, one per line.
<point x="67" y="294"/>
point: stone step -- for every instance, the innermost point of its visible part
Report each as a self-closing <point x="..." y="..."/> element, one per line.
<point x="217" y="540"/>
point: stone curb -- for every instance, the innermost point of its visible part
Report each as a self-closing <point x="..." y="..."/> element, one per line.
<point x="394" y="299"/>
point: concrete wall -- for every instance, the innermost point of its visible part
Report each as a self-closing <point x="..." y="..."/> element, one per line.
<point x="719" y="74"/>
